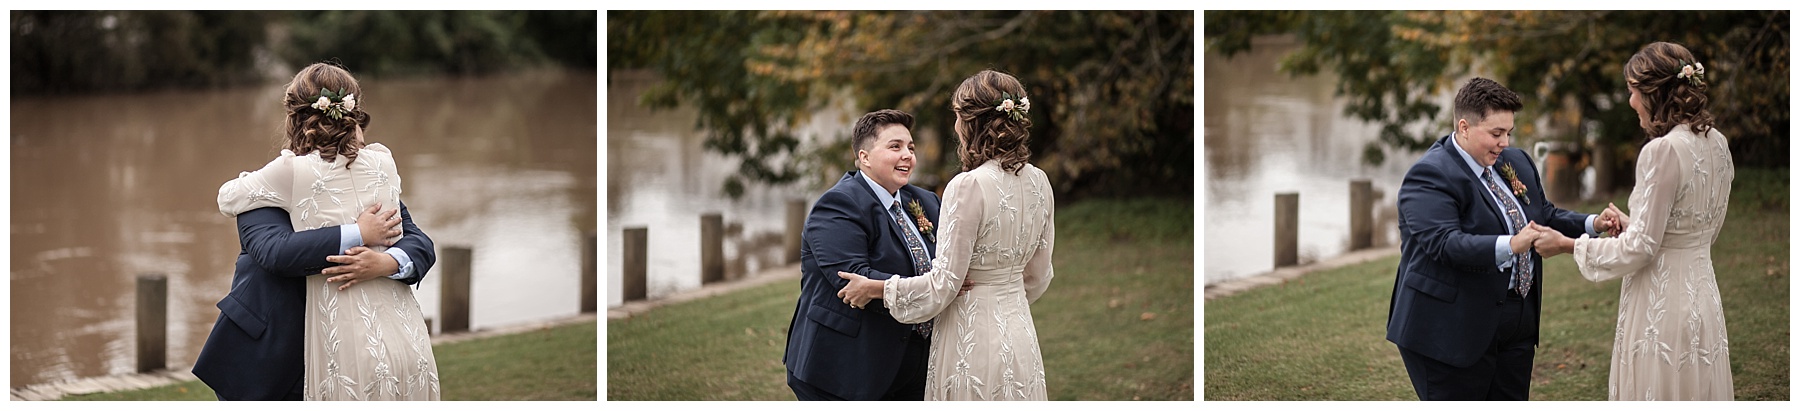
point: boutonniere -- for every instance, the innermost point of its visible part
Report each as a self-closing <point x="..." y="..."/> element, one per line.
<point x="1518" y="189"/>
<point x="918" y="214"/>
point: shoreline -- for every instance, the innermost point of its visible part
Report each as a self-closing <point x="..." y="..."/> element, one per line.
<point x="1231" y="287"/>
<point x="124" y="382"/>
<point x="766" y="276"/>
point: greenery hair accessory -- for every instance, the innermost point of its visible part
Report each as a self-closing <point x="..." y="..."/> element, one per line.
<point x="335" y="104"/>
<point x="1016" y="111"/>
<point x="1693" y="72"/>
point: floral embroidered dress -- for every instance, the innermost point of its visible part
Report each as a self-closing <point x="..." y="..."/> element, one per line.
<point x="368" y="342"/>
<point x="998" y="231"/>
<point x="1669" y="343"/>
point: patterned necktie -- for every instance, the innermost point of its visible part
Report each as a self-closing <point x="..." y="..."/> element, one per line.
<point x="920" y="261"/>
<point x="1522" y="265"/>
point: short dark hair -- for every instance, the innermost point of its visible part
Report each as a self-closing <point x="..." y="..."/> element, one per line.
<point x="872" y="123"/>
<point x="1481" y="96"/>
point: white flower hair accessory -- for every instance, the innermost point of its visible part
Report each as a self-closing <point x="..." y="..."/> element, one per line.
<point x="1017" y="111"/>
<point x="1693" y="72"/>
<point x="335" y="104"/>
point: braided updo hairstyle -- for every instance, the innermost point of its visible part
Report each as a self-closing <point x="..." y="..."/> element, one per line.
<point x="1670" y="100"/>
<point x="311" y="130"/>
<point x="986" y="132"/>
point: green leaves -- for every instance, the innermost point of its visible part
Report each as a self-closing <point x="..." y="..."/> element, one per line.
<point x="1115" y="87"/>
<point x="335" y="97"/>
<point x="1392" y="67"/>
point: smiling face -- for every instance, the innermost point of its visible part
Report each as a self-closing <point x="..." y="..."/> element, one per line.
<point x="889" y="158"/>
<point x="1484" y="140"/>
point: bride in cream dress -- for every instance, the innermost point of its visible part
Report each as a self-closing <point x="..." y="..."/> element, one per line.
<point x="368" y="342"/>
<point x="998" y="233"/>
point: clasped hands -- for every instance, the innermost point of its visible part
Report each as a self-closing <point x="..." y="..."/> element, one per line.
<point x="861" y="289"/>
<point x="359" y="264"/>
<point x="1548" y="242"/>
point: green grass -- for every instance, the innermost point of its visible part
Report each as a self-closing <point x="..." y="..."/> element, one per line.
<point x="550" y="364"/>
<point x="1116" y="261"/>
<point x="1323" y="336"/>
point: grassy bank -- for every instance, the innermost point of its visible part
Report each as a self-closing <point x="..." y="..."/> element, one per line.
<point x="1116" y="323"/>
<point x="550" y="364"/>
<point x="1323" y="337"/>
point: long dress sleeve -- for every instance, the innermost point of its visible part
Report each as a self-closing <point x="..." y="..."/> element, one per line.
<point x="270" y="186"/>
<point x="1038" y="270"/>
<point x="1659" y="178"/>
<point x="914" y="300"/>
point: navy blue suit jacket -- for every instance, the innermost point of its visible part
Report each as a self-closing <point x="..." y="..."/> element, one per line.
<point x="851" y="353"/>
<point x="1445" y="303"/>
<point x="255" y="349"/>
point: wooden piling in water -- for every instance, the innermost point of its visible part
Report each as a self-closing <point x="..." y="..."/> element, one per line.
<point x="637" y="240"/>
<point x="1287" y="229"/>
<point x="590" y="248"/>
<point x="796" y="223"/>
<point x="454" y="296"/>
<point x="1362" y="223"/>
<point x="712" y="248"/>
<point x="152" y="322"/>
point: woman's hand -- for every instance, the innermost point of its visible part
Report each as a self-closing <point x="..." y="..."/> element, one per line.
<point x="860" y="290"/>
<point x="1615" y="220"/>
<point x="378" y="227"/>
<point x="1550" y="242"/>
<point x="360" y="264"/>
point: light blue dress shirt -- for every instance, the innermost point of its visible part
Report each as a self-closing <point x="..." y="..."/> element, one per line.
<point x="888" y="200"/>
<point x="350" y="236"/>
<point x="1503" y="255"/>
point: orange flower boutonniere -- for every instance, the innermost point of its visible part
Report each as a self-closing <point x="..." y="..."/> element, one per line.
<point x="918" y="214"/>
<point x="1518" y="189"/>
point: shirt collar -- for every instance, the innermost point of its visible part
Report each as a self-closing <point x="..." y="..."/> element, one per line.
<point x="881" y="194"/>
<point x="1467" y="159"/>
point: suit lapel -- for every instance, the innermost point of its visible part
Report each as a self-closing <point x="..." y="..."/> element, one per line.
<point x="1482" y="194"/>
<point x="929" y="240"/>
<point x="1520" y="172"/>
<point x="883" y="213"/>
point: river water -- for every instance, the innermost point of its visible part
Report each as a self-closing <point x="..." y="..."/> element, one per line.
<point x="1269" y="133"/>
<point x="107" y="187"/>
<point x="660" y="177"/>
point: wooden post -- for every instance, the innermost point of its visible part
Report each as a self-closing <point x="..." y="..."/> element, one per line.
<point x="457" y="263"/>
<point x="152" y="322"/>
<point x="796" y="223"/>
<point x="590" y="247"/>
<point x="712" y="248"/>
<point x="637" y="240"/>
<point x="1362" y="202"/>
<point x="1287" y="229"/>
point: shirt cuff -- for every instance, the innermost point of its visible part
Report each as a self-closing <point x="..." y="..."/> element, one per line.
<point x="406" y="265"/>
<point x="1590" y="226"/>
<point x="1503" y="255"/>
<point x="349" y="235"/>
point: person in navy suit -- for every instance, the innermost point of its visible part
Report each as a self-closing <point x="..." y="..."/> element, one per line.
<point x="1467" y="294"/>
<point x="836" y="351"/>
<point x="255" y="349"/>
